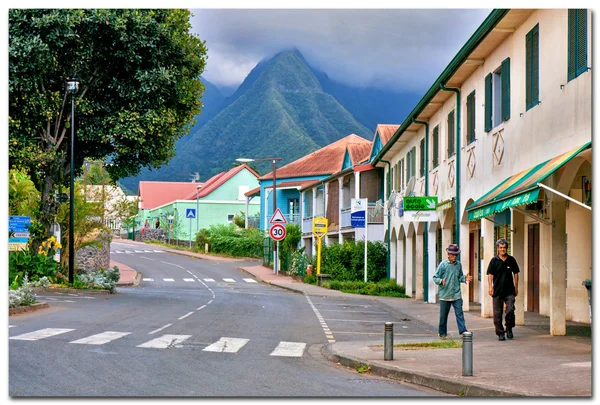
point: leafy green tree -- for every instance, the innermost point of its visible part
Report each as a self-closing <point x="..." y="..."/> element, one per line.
<point x="139" y="73"/>
<point x="23" y="197"/>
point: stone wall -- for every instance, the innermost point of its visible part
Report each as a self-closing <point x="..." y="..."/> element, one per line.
<point x="150" y="234"/>
<point x="91" y="258"/>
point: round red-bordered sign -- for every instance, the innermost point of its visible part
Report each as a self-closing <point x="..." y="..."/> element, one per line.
<point x="277" y="232"/>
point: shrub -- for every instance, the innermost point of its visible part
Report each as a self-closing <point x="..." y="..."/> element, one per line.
<point x="345" y="262"/>
<point x="101" y="279"/>
<point x="383" y="287"/>
<point x="21" y="296"/>
<point x="25" y="262"/>
<point x="233" y="241"/>
<point x="310" y="279"/>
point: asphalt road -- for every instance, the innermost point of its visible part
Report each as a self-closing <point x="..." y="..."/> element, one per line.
<point x="194" y="328"/>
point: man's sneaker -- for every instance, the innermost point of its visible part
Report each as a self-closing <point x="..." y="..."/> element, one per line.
<point x="444" y="337"/>
<point x="501" y="337"/>
<point x="509" y="333"/>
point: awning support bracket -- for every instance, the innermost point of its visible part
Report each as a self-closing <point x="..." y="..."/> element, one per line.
<point x="543" y="221"/>
<point x="564" y="196"/>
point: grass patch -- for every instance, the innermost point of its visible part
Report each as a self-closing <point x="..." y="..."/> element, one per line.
<point x="363" y="368"/>
<point x="386" y="288"/>
<point x="437" y="344"/>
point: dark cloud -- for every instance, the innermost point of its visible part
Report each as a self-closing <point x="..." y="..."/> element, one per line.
<point x="403" y="48"/>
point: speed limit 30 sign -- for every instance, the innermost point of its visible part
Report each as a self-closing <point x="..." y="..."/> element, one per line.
<point x="277" y="232"/>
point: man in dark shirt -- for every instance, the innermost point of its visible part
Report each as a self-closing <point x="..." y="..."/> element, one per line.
<point x="503" y="286"/>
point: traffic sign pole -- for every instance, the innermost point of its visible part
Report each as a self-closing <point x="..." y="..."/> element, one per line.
<point x="190" y="232"/>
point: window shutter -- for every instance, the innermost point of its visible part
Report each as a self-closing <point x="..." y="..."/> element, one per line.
<point x="488" y="103"/>
<point x="436" y="132"/>
<point x="451" y="139"/>
<point x="528" y="45"/>
<point x="535" y="73"/>
<point x="422" y="162"/>
<point x="505" y="75"/>
<point x="581" y="18"/>
<point x="408" y="164"/>
<point x="471" y="117"/>
<point x="413" y="154"/>
<point x="572" y="45"/>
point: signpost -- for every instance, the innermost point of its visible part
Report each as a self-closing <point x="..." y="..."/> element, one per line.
<point x="191" y="214"/>
<point x="277" y="232"/>
<point x="277" y="220"/>
<point x="319" y="229"/>
<point x="170" y="228"/>
<point x="420" y="209"/>
<point x="358" y="219"/>
<point x="18" y="228"/>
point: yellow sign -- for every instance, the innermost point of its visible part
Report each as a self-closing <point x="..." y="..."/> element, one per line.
<point x="320" y="226"/>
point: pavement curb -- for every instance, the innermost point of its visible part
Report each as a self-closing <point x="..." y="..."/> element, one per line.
<point x="134" y="283"/>
<point x="71" y="291"/>
<point x="28" y="308"/>
<point x="423" y="379"/>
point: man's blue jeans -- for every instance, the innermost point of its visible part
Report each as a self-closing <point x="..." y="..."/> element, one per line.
<point x="458" y="311"/>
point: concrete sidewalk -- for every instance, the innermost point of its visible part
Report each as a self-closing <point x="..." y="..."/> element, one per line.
<point x="532" y="364"/>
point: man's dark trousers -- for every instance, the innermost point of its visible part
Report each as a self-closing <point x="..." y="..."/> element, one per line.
<point x="510" y="313"/>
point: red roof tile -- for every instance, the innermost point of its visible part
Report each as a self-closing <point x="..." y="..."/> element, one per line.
<point x="156" y="193"/>
<point x="327" y="160"/>
<point x="386" y="131"/>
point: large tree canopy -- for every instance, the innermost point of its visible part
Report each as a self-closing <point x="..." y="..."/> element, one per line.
<point x="140" y="88"/>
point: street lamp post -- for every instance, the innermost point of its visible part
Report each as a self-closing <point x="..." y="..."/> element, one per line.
<point x="197" y="209"/>
<point x="244" y="160"/>
<point x="72" y="86"/>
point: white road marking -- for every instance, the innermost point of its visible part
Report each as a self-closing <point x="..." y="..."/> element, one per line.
<point x="12" y="326"/>
<point x="159" y="329"/>
<point x="101" y="338"/>
<point x="209" y="280"/>
<point x="147" y="258"/>
<point x="213" y="295"/>
<point x="289" y="349"/>
<point x="226" y="345"/>
<point x="189" y="280"/>
<point x="128" y="252"/>
<point x="165" y="341"/>
<point x="325" y="327"/>
<point x="168" y="279"/>
<point x="158" y="251"/>
<point x="229" y="280"/>
<point x="580" y="364"/>
<point x="41" y="334"/>
<point x="249" y="280"/>
<point x="171" y="264"/>
<point x="147" y="279"/>
<point x="185" y="316"/>
<point x="139" y="251"/>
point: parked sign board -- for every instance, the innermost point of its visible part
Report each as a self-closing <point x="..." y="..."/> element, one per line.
<point x="427" y="203"/>
<point x="358" y="212"/>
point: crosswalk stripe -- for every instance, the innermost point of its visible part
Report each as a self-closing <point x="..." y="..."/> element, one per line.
<point x="165" y="341"/>
<point x="209" y="280"/>
<point x="249" y="280"/>
<point x="189" y="280"/>
<point x="147" y="279"/>
<point x="101" y="338"/>
<point x="168" y="279"/>
<point x="159" y="251"/>
<point x="226" y="345"/>
<point x="229" y="280"/>
<point x="41" y="334"/>
<point x="289" y="349"/>
<point x="11" y="326"/>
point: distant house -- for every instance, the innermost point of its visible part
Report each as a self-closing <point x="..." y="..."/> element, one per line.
<point x="112" y="197"/>
<point x="331" y="197"/>
<point x="194" y="206"/>
<point x="299" y="174"/>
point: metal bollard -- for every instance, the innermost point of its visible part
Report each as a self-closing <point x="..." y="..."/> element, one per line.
<point x="388" y="340"/>
<point x="467" y="354"/>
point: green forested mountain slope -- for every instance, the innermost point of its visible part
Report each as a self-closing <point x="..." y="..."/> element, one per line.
<point x="279" y="111"/>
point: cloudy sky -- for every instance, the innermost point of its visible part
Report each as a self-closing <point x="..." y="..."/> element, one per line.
<point x="405" y="49"/>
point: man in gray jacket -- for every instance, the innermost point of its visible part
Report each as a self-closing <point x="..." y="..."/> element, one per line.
<point x="448" y="276"/>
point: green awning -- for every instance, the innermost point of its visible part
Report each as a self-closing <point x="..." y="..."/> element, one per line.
<point x="519" y="189"/>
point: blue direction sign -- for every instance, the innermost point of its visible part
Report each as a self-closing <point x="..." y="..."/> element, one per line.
<point x="190" y="213"/>
<point x="18" y="227"/>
